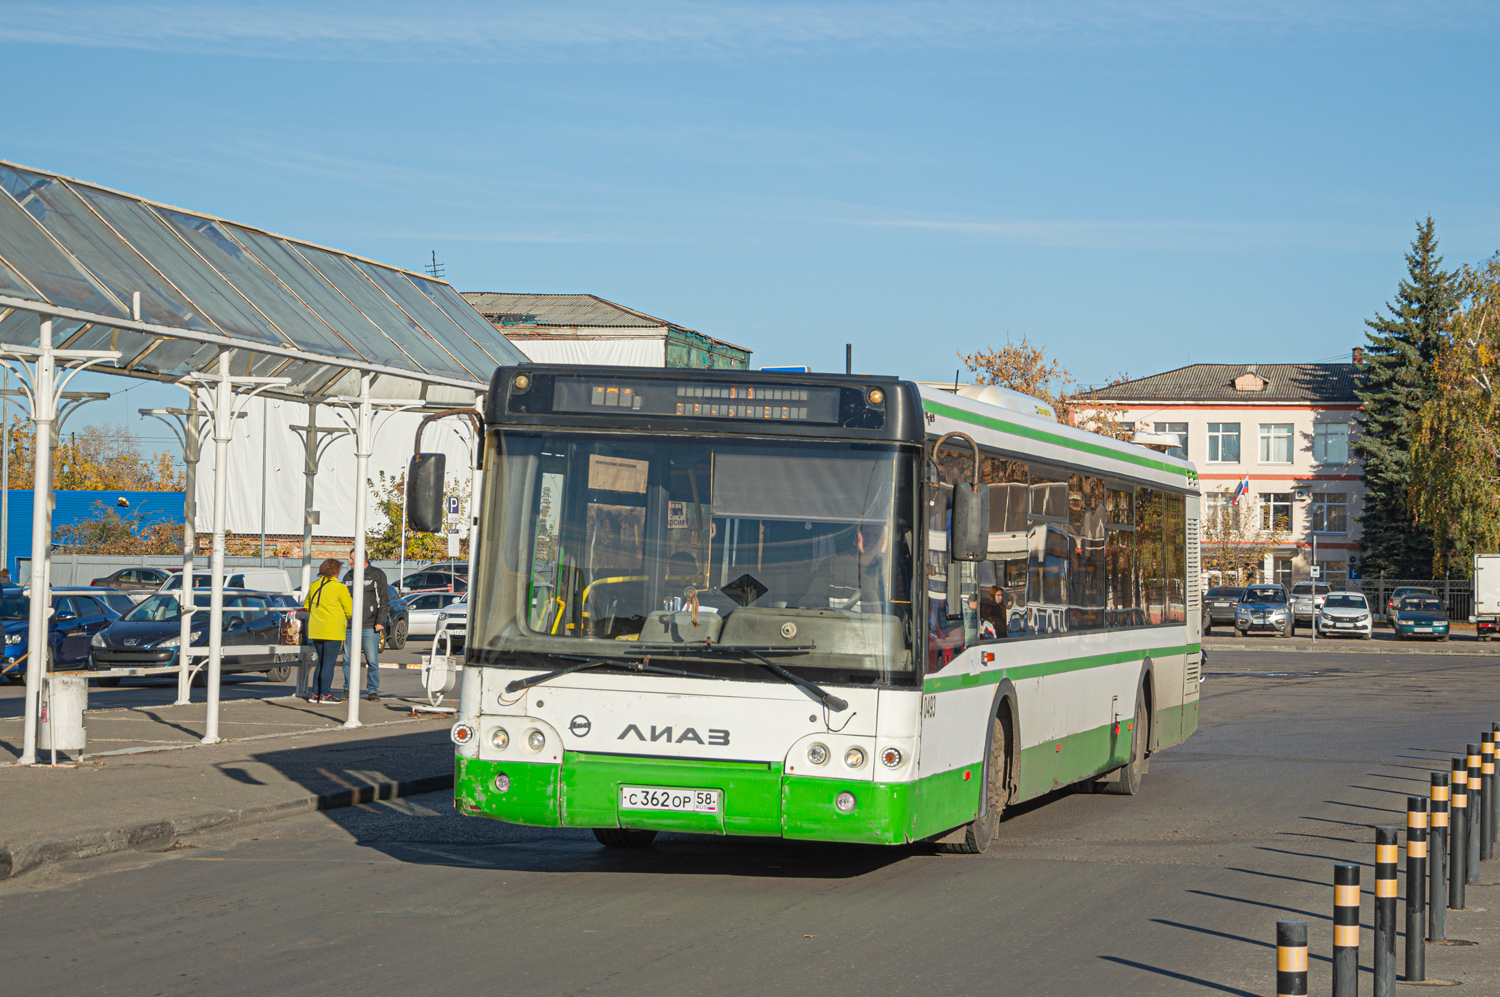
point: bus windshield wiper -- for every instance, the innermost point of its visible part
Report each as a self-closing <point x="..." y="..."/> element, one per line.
<point x="814" y="690"/>
<point x="633" y="666"/>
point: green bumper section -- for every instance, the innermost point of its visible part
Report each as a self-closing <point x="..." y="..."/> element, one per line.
<point x="758" y="799"/>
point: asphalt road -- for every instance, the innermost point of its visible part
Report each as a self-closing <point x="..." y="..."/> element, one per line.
<point x="1174" y="891"/>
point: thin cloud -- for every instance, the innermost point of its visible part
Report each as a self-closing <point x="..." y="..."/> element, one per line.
<point x="481" y="32"/>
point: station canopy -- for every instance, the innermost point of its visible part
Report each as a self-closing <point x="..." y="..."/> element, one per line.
<point x="281" y="307"/>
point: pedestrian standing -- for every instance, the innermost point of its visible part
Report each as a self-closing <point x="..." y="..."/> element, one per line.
<point x="329" y="609"/>
<point x="377" y="620"/>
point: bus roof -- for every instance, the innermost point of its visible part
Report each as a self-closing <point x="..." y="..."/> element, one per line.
<point x="1030" y="436"/>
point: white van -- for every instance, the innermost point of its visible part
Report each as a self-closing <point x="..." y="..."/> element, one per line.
<point x="258" y="579"/>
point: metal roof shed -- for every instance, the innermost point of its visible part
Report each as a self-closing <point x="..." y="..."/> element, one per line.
<point x="91" y="277"/>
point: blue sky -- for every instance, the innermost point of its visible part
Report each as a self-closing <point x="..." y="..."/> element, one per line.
<point x="1133" y="185"/>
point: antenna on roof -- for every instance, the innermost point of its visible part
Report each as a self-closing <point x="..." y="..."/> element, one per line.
<point x="434" y="269"/>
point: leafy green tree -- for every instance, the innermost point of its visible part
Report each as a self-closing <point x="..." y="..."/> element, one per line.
<point x="1396" y="380"/>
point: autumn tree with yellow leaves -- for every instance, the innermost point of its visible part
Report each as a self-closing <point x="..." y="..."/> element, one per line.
<point x="1026" y="368"/>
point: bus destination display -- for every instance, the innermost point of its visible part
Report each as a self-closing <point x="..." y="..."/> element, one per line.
<point x="765" y="402"/>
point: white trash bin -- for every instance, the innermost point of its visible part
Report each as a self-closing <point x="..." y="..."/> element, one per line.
<point x="65" y="703"/>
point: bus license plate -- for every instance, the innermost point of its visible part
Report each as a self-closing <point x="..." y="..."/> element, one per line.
<point x="688" y="801"/>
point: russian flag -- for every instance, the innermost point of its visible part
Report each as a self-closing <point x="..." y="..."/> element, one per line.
<point x="1240" y="489"/>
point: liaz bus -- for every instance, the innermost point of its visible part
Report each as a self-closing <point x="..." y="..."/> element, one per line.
<point x="837" y="608"/>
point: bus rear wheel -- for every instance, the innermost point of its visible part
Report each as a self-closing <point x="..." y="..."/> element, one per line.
<point x="980" y="831"/>
<point x="1129" y="782"/>
<point x="621" y="837"/>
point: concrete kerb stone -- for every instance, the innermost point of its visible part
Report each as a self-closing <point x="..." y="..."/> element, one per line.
<point x="1361" y="647"/>
<point x="156" y="836"/>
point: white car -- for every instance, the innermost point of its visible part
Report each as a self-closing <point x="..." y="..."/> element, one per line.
<point x="452" y="622"/>
<point x="260" y="579"/>
<point x="425" y="608"/>
<point x="1345" y="614"/>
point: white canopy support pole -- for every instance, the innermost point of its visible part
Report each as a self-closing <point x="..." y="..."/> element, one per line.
<point x="223" y="429"/>
<point x="363" y="444"/>
<point x="309" y="469"/>
<point x="43" y="405"/>
<point x="191" y="442"/>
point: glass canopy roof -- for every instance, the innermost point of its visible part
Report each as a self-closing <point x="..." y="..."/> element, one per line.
<point x="280" y="306"/>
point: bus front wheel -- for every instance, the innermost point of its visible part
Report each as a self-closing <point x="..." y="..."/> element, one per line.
<point x="622" y="837"/>
<point x="980" y="831"/>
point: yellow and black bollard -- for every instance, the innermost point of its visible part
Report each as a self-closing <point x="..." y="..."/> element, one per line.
<point x="1437" y="894"/>
<point x="1385" y="911"/>
<point x="1346" y="929"/>
<point x="1494" y="804"/>
<point x="1291" y="959"/>
<point x="1416" y="872"/>
<point x="1487" y="785"/>
<point x="1458" y="847"/>
<point x="1476" y="807"/>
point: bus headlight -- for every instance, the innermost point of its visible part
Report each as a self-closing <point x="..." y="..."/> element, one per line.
<point x="462" y="734"/>
<point x="499" y="738"/>
<point x="845" y="802"/>
<point x="854" y="757"/>
<point x="818" y="754"/>
<point x="535" y="740"/>
<point x="890" y="757"/>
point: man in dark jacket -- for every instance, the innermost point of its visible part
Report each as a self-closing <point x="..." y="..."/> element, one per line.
<point x="376" y="610"/>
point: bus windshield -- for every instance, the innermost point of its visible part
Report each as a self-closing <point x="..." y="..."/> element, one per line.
<point x="621" y="543"/>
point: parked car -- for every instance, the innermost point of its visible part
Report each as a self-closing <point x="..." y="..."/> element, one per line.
<point x="452" y="622"/>
<point x="1219" y="604"/>
<point x="1421" y="616"/>
<point x="424" y="608"/>
<point x="258" y="579"/>
<point x="400" y="621"/>
<point x="150" y="634"/>
<point x="133" y="579"/>
<point x="112" y="598"/>
<point x="1397" y="594"/>
<point x="1262" y="609"/>
<point x="1345" y="614"/>
<point x="436" y="578"/>
<point x="77" y="615"/>
<point x="1307" y="599"/>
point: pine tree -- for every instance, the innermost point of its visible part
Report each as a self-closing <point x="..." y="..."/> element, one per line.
<point x="1397" y="378"/>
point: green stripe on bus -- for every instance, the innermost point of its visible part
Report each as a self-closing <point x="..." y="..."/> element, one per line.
<point x="1056" y="439"/>
<point x="1014" y="672"/>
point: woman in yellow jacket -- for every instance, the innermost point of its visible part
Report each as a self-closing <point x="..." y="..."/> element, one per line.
<point x="329" y="609"/>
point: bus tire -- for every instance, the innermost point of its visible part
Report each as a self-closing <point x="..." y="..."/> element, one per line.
<point x="980" y="831"/>
<point x="623" y="837"/>
<point x="1129" y="782"/>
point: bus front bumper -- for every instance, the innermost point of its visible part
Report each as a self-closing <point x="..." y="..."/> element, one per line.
<point x="757" y="798"/>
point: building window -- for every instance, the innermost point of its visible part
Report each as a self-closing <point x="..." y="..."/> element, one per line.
<point x="1276" y="511"/>
<point x="1223" y="443"/>
<point x="1331" y="443"/>
<point x="1334" y="574"/>
<point x="1220" y="513"/>
<point x="1282" y="572"/>
<point x="1330" y="513"/>
<point x="1276" y="443"/>
<point x="1179" y="430"/>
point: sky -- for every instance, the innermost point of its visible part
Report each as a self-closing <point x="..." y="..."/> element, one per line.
<point x="1135" y="186"/>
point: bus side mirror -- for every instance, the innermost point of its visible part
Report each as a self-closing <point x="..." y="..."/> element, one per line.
<point x="971" y="522"/>
<point x="424" y="492"/>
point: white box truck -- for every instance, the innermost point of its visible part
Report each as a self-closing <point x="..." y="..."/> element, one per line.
<point x="1486" y="594"/>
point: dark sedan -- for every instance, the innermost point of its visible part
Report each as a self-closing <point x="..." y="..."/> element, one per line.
<point x="150" y="634"/>
<point x="133" y="579"/>
<point x="76" y="616"/>
<point x="1421" y="616"/>
<point x="1219" y="604"/>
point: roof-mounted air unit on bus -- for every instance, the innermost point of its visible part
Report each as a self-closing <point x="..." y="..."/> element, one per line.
<point x="1161" y="442"/>
<point x="1016" y="401"/>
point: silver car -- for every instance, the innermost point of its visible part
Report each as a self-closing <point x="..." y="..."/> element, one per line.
<point x="1345" y="614"/>
<point x="1307" y="599"/>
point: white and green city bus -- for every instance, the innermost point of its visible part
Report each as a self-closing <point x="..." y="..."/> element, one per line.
<point x="733" y="602"/>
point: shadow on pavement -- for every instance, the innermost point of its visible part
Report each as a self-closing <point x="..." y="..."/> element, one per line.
<point x="1196" y="980"/>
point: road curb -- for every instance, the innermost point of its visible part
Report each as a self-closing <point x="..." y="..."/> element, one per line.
<point x="1337" y="647"/>
<point x="156" y="836"/>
